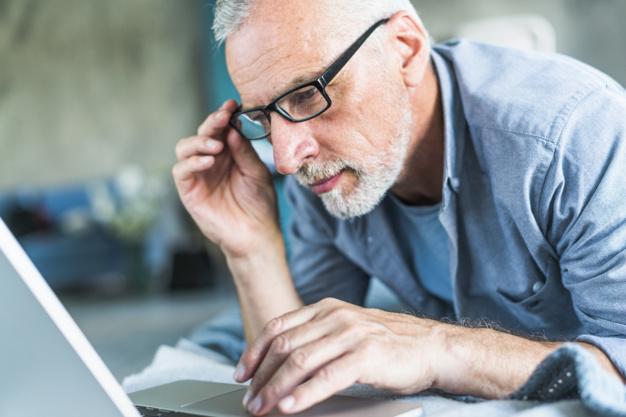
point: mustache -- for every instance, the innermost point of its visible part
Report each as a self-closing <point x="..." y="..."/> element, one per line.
<point x="310" y="173"/>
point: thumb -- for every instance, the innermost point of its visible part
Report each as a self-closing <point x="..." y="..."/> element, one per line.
<point x="245" y="156"/>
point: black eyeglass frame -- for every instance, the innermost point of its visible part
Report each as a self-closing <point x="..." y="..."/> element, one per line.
<point x="320" y="84"/>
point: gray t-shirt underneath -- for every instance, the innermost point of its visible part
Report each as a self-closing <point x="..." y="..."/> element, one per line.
<point x="424" y="245"/>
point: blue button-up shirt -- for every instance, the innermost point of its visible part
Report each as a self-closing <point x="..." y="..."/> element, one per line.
<point x="534" y="204"/>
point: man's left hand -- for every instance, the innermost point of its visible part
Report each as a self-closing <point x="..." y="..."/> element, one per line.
<point x="307" y="355"/>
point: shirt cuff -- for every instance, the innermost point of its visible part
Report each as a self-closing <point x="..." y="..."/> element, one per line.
<point x="573" y="372"/>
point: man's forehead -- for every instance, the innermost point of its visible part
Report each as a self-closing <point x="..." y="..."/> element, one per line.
<point x="268" y="82"/>
<point x="273" y="56"/>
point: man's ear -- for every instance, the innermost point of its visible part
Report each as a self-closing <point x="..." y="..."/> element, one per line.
<point x="412" y="46"/>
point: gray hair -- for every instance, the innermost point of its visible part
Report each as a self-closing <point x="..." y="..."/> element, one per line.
<point x="230" y="15"/>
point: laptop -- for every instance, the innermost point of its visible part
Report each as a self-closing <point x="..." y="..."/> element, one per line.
<point x="49" y="368"/>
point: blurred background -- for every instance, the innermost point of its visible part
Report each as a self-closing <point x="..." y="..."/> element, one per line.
<point x="94" y="97"/>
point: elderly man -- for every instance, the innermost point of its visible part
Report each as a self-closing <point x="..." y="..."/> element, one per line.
<point x="478" y="183"/>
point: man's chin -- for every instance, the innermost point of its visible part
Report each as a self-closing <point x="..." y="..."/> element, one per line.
<point x="353" y="192"/>
<point x="345" y="208"/>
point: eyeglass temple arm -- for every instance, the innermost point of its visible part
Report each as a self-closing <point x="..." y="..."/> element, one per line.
<point x="337" y="66"/>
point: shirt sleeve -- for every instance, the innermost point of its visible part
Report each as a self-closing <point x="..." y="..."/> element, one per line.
<point x="318" y="267"/>
<point x="583" y="204"/>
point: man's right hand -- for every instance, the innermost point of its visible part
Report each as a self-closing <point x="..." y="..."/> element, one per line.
<point x="225" y="186"/>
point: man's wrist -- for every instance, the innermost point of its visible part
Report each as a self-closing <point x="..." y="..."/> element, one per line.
<point x="263" y="283"/>
<point x="266" y="242"/>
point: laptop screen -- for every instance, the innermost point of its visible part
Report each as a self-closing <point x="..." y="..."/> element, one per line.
<point x="47" y="366"/>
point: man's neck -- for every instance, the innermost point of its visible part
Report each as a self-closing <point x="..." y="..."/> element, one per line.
<point x="421" y="181"/>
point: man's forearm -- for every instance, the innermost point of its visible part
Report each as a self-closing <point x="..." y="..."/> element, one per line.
<point x="487" y="363"/>
<point x="490" y="364"/>
<point x="264" y="286"/>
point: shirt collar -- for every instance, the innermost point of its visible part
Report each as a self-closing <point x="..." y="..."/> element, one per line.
<point x="455" y="125"/>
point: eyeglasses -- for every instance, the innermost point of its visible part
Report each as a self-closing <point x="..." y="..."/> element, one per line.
<point x="298" y="104"/>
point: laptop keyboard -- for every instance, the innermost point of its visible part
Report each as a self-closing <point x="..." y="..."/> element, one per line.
<point x="154" y="412"/>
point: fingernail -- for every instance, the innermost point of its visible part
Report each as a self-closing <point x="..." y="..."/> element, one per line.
<point x="287" y="403"/>
<point x="219" y="118"/>
<point x="246" y="398"/>
<point x="205" y="159"/>
<point x="211" y="145"/>
<point x="239" y="372"/>
<point x="255" y="405"/>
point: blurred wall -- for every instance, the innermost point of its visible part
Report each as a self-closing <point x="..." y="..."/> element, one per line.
<point x="87" y="87"/>
<point x="593" y="31"/>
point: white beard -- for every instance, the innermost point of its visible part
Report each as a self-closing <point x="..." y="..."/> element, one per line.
<point x="375" y="174"/>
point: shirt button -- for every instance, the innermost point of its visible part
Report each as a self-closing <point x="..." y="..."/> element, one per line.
<point x="537" y="286"/>
<point x="370" y="239"/>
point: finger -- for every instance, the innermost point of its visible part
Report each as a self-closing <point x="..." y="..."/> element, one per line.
<point x="332" y="378"/>
<point x="256" y="351"/>
<point x="330" y="317"/>
<point x="197" y="145"/>
<point x="299" y="365"/>
<point x="291" y="350"/>
<point x="184" y="172"/>
<point x="245" y="156"/>
<point x="216" y="122"/>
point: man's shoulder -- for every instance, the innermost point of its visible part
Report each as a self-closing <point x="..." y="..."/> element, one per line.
<point x="517" y="91"/>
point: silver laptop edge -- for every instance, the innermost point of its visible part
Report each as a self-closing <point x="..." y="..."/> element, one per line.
<point x="10" y="322"/>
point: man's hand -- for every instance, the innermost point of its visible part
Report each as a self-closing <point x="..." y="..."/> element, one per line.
<point x="307" y="355"/>
<point x="229" y="193"/>
<point x="332" y="345"/>
<point x="225" y="187"/>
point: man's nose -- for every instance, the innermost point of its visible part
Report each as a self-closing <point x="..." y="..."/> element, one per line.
<point x="293" y="144"/>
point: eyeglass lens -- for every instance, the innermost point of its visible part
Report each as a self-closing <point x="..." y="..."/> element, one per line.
<point x="303" y="103"/>
<point x="253" y="124"/>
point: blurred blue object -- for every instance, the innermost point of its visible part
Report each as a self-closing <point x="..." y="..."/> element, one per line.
<point x="55" y="229"/>
<point x="67" y="261"/>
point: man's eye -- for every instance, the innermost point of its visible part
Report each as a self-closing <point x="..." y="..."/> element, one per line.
<point x="302" y="103"/>
<point x="307" y="94"/>
<point x="303" y="97"/>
